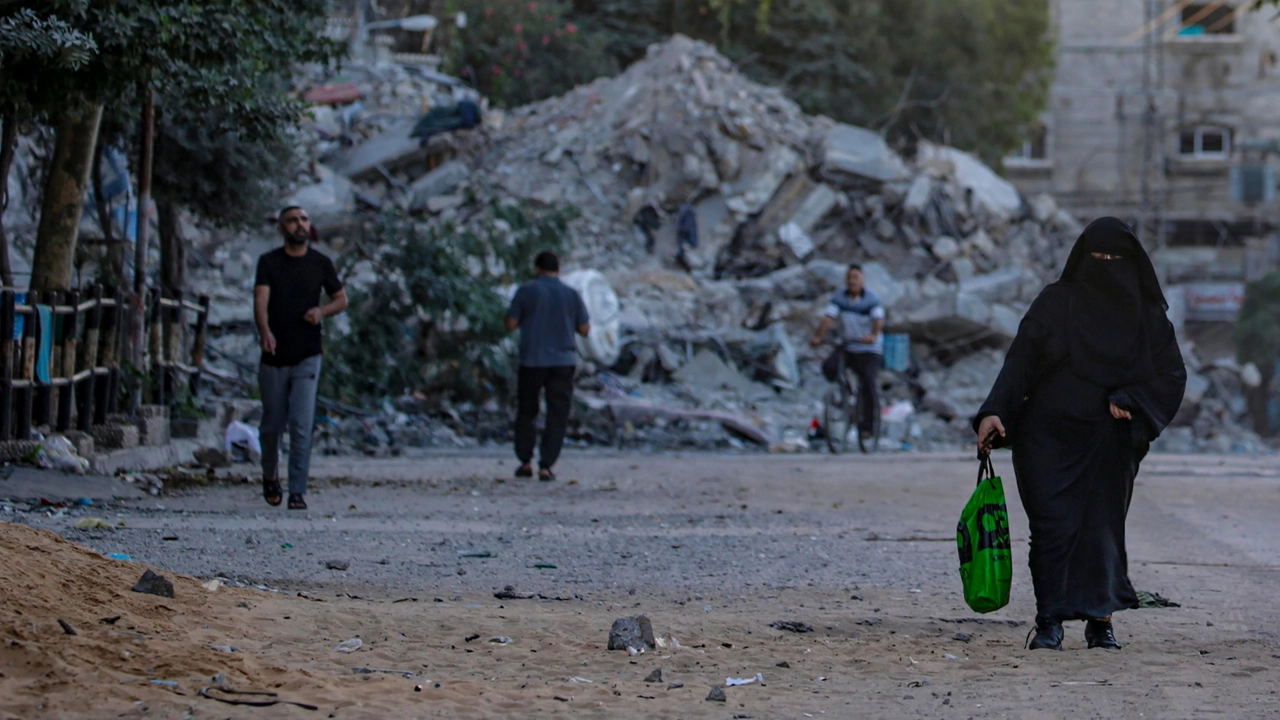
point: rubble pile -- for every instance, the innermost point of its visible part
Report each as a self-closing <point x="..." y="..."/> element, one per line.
<point x="723" y="218"/>
<point x="718" y="218"/>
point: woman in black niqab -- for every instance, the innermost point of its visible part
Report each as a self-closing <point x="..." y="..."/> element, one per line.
<point x="1093" y="376"/>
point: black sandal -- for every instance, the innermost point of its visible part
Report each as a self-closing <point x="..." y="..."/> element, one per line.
<point x="545" y="475"/>
<point x="524" y="471"/>
<point x="296" y="502"/>
<point x="271" y="491"/>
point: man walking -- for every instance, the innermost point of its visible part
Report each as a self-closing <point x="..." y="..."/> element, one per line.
<point x="547" y="312"/>
<point x="861" y="317"/>
<point x="287" y="309"/>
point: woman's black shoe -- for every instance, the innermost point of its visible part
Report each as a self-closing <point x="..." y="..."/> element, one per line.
<point x="1048" y="636"/>
<point x="1099" y="634"/>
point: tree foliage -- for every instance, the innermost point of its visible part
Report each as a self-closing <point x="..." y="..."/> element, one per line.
<point x="1258" y="329"/>
<point x="517" y="51"/>
<point x="432" y="319"/>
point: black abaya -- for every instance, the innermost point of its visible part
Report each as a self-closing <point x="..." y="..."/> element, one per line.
<point x="1075" y="463"/>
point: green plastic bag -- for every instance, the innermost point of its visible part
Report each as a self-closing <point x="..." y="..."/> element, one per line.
<point x="986" y="557"/>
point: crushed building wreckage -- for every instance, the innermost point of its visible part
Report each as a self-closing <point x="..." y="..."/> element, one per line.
<point x="718" y="218"/>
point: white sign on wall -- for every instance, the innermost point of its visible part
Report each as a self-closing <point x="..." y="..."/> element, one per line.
<point x="1213" y="301"/>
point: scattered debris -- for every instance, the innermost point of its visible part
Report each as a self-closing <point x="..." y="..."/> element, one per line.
<point x="91" y="523"/>
<point x="654" y="677"/>
<point x="675" y="685"/>
<point x="501" y="640"/>
<point x="349" y="646"/>
<point x="66" y="627"/>
<point x="371" y="671"/>
<point x="337" y="564"/>
<point x="717" y="694"/>
<point x="792" y="626"/>
<point x="1154" y="600"/>
<point x="731" y="682"/>
<point x="632" y="633"/>
<point x="153" y="584"/>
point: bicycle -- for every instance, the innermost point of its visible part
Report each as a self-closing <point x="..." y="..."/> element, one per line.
<point x="842" y="407"/>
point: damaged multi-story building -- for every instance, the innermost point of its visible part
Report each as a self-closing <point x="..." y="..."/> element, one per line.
<point x="1167" y="113"/>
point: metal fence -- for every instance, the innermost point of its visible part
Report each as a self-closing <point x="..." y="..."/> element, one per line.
<point x="60" y="355"/>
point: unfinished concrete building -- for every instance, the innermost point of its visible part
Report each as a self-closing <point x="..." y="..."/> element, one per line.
<point x="1167" y="113"/>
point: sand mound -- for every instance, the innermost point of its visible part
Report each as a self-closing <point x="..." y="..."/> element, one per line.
<point x="45" y="578"/>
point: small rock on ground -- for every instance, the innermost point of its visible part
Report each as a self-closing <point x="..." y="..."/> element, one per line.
<point x="654" y="677"/>
<point x="717" y="695"/>
<point x="153" y="584"/>
<point x="337" y="564"/>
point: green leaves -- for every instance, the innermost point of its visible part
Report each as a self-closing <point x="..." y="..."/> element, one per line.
<point x="1258" y="329"/>
<point x="432" y="318"/>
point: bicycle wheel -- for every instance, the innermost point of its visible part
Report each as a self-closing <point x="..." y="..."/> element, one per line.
<point x="836" y="419"/>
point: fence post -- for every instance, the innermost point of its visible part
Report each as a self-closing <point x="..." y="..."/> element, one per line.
<point x="66" y="396"/>
<point x="88" y="392"/>
<point x="173" y="346"/>
<point x="197" y="349"/>
<point x="109" y="390"/>
<point x="6" y="364"/>
<point x="156" y="346"/>
<point x="27" y="396"/>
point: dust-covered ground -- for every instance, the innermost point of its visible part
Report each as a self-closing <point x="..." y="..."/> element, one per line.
<point x="713" y="548"/>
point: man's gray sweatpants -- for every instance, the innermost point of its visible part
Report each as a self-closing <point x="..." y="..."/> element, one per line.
<point x="289" y="397"/>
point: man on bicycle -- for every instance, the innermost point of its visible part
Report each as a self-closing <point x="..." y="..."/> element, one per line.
<point x="861" y="317"/>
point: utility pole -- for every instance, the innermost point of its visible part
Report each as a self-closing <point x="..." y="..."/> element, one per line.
<point x="140" y="247"/>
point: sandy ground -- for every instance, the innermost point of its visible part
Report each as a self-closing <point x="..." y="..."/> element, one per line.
<point x="712" y="548"/>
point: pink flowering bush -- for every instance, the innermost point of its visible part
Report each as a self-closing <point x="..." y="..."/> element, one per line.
<point x="517" y="52"/>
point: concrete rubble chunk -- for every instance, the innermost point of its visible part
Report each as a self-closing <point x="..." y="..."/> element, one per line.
<point x="817" y="205"/>
<point x="389" y="150"/>
<point x="945" y="248"/>
<point x="749" y="195"/>
<point x="857" y="151"/>
<point x="153" y="584"/>
<point x="442" y="181"/>
<point x="634" y="632"/>
<point x="707" y="370"/>
<point x="797" y="242"/>
<point x="330" y="200"/>
<point x="919" y="194"/>
<point x="990" y="191"/>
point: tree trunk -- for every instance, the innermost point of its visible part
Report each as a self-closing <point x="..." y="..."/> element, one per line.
<point x="64" y="194"/>
<point x="8" y="145"/>
<point x="173" y="248"/>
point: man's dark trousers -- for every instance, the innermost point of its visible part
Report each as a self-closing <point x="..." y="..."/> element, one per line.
<point x="866" y="365"/>
<point x="558" y="382"/>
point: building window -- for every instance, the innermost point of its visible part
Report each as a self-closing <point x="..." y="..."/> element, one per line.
<point x="1211" y="19"/>
<point x="1034" y="148"/>
<point x="1204" y="142"/>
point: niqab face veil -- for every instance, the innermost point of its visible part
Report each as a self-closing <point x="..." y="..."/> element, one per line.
<point x="1111" y="301"/>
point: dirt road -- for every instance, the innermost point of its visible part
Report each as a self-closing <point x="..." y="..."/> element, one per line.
<point x="713" y="549"/>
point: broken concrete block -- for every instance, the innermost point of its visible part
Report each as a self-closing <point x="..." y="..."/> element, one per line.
<point x="797" y="242"/>
<point x="390" y="151"/>
<point x="329" y="201"/>
<point x="858" y="151"/>
<point x="1043" y="208"/>
<point x="945" y="248"/>
<point x="990" y="191"/>
<point x="632" y="632"/>
<point x="82" y="441"/>
<point x="115" y="437"/>
<point x="707" y="370"/>
<point x="919" y="194"/>
<point x="153" y="584"/>
<point x="1197" y="386"/>
<point x="749" y="195"/>
<point x="816" y="205"/>
<point x="212" y="457"/>
<point x="440" y="203"/>
<point x="441" y="181"/>
<point x="999" y="286"/>
<point x="981" y="242"/>
<point x="153" y="425"/>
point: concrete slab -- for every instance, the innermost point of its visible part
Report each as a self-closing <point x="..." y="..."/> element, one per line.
<point x="145" y="458"/>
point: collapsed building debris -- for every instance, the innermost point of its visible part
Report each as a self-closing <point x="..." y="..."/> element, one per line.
<point x="715" y="219"/>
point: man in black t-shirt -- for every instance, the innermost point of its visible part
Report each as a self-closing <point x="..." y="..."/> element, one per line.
<point x="287" y="309"/>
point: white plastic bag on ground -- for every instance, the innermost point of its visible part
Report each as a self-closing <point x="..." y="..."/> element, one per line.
<point x="602" y="346"/>
<point x="239" y="433"/>
<point x="62" y="455"/>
